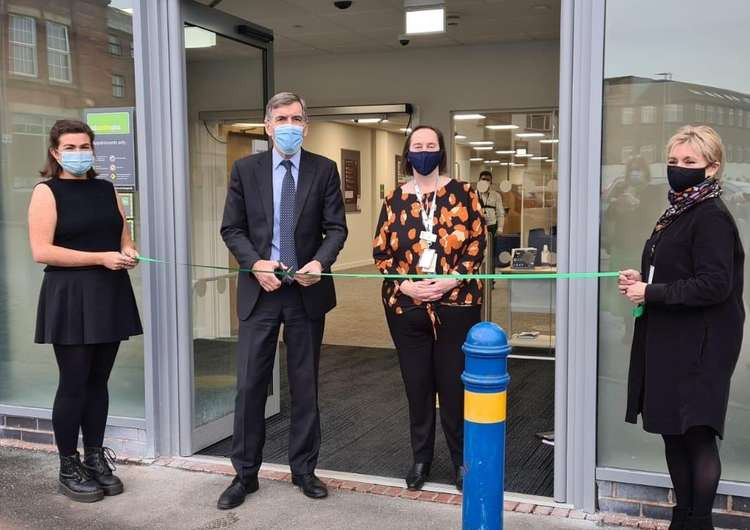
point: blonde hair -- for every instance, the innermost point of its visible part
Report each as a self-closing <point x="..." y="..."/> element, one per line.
<point x="703" y="139"/>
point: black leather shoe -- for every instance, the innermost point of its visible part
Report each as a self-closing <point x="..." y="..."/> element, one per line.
<point x="310" y="485"/>
<point x="100" y="462"/>
<point x="235" y="494"/>
<point x="76" y="482"/>
<point x="417" y="475"/>
<point x="458" y="473"/>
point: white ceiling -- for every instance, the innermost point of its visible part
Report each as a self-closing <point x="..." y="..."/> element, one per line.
<point x="309" y="27"/>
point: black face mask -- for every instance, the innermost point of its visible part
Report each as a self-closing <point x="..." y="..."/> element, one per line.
<point x="682" y="178"/>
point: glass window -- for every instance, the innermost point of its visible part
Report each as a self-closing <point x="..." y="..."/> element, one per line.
<point x="673" y="112"/>
<point x="627" y="115"/>
<point x="118" y="86"/>
<point x="627" y="153"/>
<point x="648" y="114"/>
<point x="519" y="149"/>
<point x="58" y="52"/>
<point x="115" y="48"/>
<point x="700" y="112"/>
<point x="634" y="190"/>
<point x="28" y="372"/>
<point x="23" y="60"/>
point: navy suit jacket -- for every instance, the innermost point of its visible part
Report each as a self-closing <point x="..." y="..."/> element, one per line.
<point x="320" y="224"/>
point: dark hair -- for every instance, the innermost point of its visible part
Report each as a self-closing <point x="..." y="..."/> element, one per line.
<point x="485" y="172"/>
<point x="52" y="168"/>
<point x="406" y="166"/>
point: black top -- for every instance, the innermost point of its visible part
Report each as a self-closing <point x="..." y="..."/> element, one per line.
<point x="686" y="344"/>
<point x="88" y="218"/>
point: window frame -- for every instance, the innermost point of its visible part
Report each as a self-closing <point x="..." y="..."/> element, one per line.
<point x="118" y="86"/>
<point x="65" y="53"/>
<point x="114" y="45"/>
<point x="13" y="45"/>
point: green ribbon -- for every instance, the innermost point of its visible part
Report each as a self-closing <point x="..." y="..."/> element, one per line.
<point x="501" y="276"/>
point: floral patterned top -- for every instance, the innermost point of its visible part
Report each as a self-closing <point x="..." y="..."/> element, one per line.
<point x="460" y="244"/>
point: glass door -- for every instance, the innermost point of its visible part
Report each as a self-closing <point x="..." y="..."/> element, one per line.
<point x="228" y="67"/>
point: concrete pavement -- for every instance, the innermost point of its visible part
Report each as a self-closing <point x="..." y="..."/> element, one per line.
<point x="166" y="498"/>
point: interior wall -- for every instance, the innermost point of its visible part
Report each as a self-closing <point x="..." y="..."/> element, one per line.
<point x="328" y="139"/>
<point x="386" y="146"/>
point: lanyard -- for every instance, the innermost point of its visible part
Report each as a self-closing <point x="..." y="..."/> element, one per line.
<point x="427" y="218"/>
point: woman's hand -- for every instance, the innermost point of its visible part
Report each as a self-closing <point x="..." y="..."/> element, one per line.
<point x="131" y="252"/>
<point x="116" y="261"/>
<point x="627" y="278"/>
<point x="429" y="290"/>
<point x="636" y="292"/>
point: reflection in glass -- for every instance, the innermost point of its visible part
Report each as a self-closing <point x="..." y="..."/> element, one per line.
<point x="34" y="96"/>
<point x="647" y="97"/>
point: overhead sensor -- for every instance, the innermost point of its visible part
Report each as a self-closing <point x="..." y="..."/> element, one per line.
<point x="343" y="4"/>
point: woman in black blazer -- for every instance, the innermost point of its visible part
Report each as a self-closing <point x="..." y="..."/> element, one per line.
<point x="687" y="340"/>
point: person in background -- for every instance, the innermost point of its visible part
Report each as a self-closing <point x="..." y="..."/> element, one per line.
<point x="86" y="303"/>
<point x="431" y="224"/>
<point x="283" y="210"/>
<point x="687" y="341"/>
<point x="492" y="204"/>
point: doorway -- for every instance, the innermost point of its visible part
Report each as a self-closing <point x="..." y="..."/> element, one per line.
<point x="492" y="57"/>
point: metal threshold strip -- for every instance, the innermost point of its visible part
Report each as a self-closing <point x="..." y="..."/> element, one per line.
<point x="381" y="481"/>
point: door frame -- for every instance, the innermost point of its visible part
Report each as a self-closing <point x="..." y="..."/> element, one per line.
<point x="192" y="438"/>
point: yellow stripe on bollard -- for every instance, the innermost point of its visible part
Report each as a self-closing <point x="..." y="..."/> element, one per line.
<point x="484" y="408"/>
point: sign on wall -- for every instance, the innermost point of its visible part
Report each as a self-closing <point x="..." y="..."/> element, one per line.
<point x="114" y="146"/>
<point x="351" y="179"/>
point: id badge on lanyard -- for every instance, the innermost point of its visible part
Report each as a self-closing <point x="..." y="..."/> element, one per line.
<point x="428" y="259"/>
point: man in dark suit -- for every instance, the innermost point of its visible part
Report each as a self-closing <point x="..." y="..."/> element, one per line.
<point x="283" y="210"/>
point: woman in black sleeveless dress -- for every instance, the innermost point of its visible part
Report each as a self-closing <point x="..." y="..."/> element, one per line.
<point x="86" y="304"/>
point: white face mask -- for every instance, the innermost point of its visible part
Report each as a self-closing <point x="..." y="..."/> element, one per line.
<point x="483" y="186"/>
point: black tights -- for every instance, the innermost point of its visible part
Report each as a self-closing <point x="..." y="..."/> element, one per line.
<point x="695" y="468"/>
<point x="82" y="400"/>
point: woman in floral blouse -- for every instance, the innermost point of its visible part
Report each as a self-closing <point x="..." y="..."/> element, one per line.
<point x="431" y="224"/>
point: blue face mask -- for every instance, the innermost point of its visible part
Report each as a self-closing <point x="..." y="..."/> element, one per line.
<point x="288" y="138"/>
<point x="424" y="162"/>
<point x="77" y="162"/>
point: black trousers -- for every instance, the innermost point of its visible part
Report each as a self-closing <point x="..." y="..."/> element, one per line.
<point x="430" y="365"/>
<point x="256" y="351"/>
<point x="82" y="399"/>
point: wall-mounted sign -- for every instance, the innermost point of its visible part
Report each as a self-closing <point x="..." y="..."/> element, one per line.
<point x="350" y="179"/>
<point x="114" y="146"/>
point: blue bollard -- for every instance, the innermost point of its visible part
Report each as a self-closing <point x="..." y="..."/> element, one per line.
<point x="485" y="380"/>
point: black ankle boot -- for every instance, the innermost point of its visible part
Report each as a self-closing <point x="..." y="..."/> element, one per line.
<point x="76" y="482"/>
<point x="100" y="462"/>
<point x="679" y="518"/>
<point x="417" y="475"/>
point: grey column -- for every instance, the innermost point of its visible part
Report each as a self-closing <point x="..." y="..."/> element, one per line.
<point x="579" y="171"/>
<point x="162" y="169"/>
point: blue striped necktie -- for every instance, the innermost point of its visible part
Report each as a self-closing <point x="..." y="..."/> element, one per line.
<point x="287" y="251"/>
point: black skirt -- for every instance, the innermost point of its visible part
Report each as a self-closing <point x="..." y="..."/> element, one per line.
<point x="89" y="306"/>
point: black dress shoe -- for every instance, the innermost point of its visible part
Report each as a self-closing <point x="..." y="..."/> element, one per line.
<point x="459" y="477"/>
<point x="310" y="485"/>
<point x="417" y="475"/>
<point x="235" y="494"/>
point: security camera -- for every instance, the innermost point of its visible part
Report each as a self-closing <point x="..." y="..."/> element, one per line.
<point x="341" y="4"/>
<point x="404" y="40"/>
